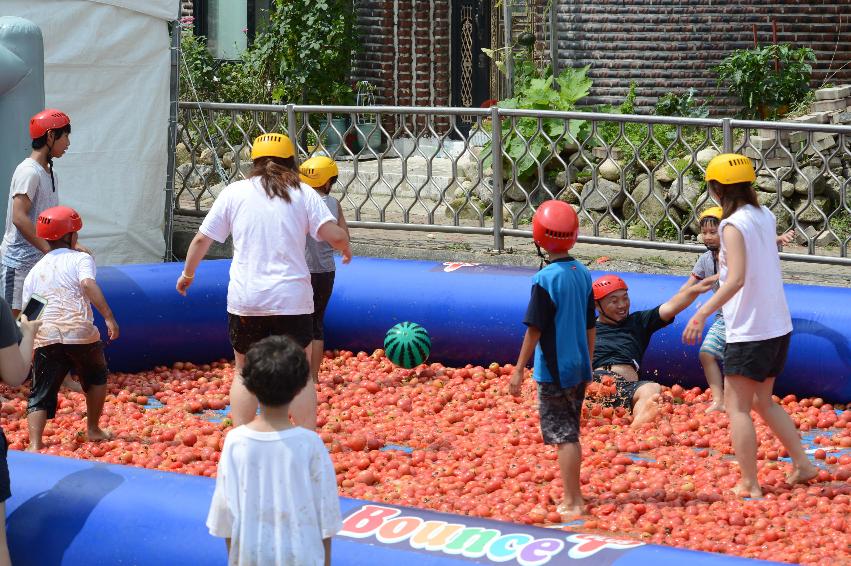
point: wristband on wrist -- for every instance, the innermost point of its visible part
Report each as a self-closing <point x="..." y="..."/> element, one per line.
<point x="183" y="273"/>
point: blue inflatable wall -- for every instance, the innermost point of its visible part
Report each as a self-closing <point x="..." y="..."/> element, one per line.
<point x="77" y="512"/>
<point x="473" y="313"/>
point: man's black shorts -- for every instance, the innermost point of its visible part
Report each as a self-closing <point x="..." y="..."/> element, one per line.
<point x="244" y="331"/>
<point x="323" y="285"/>
<point x="624" y="389"/>
<point x="560" y="410"/>
<point x="757" y="360"/>
<point x="5" y="486"/>
<point x="52" y="363"/>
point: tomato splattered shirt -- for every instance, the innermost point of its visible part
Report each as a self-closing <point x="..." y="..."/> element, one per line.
<point x="275" y="497"/>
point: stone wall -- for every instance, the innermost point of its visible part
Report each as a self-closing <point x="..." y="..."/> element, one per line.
<point x="673" y="44"/>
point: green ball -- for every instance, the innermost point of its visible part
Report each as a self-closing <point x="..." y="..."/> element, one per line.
<point x="407" y="344"/>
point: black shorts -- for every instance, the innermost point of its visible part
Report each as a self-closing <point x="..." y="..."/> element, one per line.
<point x="560" y="410"/>
<point x="757" y="360"/>
<point x="5" y="484"/>
<point x="624" y="388"/>
<point x="323" y="285"/>
<point x="52" y="363"/>
<point x="245" y="331"/>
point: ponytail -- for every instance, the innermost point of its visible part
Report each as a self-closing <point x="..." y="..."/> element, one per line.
<point x="39" y="143"/>
<point x="277" y="176"/>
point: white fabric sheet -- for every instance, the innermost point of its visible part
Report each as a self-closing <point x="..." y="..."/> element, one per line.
<point x="107" y="65"/>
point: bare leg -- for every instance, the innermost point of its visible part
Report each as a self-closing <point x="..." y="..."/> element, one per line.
<point x="303" y="407"/>
<point x="317" y="351"/>
<point x="36" y="422"/>
<point x="243" y="403"/>
<point x="712" y="371"/>
<point x="5" y="559"/>
<point x="94" y="408"/>
<point x="645" y="404"/>
<point x="739" y="395"/>
<point x="72" y="384"/>
<point x="569" y="461"/>
<point x="783" y="427"/>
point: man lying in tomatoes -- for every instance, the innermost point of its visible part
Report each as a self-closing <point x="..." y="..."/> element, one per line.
<point x="623" y="337"/>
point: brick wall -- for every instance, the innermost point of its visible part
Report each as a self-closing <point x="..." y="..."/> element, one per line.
<point x="672" y="44"/>
<point x="404" y="50"/>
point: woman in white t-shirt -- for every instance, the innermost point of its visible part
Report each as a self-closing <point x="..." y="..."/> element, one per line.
<point x="758" y="324"/>
<point x="269" y="215"/>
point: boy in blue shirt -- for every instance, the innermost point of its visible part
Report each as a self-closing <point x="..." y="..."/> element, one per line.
<point x="560" y="324"/>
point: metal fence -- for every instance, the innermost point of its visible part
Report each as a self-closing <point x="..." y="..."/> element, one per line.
<point x="635" y="180"/>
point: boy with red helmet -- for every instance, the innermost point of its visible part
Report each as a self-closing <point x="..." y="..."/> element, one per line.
<point x="68" y="338"/>
<point x="33" y="190"/>
<point x="623" y="337"/>
<point x="560" y="331"/>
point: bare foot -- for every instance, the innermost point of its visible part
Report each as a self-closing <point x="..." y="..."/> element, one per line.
<point x="33" y="447"/>
<point x="98" y="434"/>
<point x="715" y="407"/>
<point x="802" y="475"/>
<point x="742" y="490"/>
<point x="72" y="384"/>
<point x="645" y="415"/>
<point x="569" y="512"/>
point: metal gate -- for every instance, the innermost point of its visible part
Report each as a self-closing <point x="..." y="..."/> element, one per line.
<point x="471" y="68"/>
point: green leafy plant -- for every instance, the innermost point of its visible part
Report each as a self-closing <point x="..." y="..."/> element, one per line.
<point x="521" y="139"/>
<point x="767" y="79"/>
<point x="681" y="104"/>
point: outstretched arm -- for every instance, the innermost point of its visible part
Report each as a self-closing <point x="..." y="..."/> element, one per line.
<point x="684" y="297"/>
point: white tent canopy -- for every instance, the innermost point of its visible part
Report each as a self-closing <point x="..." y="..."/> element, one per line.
<point x="107" y="65"/>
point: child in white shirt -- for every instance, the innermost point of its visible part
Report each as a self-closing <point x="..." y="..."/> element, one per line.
<point x="276" y="499"/>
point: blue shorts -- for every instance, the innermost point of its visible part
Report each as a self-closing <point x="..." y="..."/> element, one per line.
<point x="716" y="340"/>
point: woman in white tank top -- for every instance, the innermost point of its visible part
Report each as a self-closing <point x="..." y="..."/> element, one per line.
<point x="758" y="324"/>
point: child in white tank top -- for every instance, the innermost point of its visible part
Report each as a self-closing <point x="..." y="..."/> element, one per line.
<point x="758" y="324"/>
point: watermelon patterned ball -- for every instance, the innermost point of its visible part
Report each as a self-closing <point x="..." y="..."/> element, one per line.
<point x="407" y="344"/>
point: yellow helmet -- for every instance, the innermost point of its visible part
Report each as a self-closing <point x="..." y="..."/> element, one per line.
<point x="272" y="145"/>
<point x="714" y="212"/>
<point x="730" y="168"/>
<point x="318" y="170"/>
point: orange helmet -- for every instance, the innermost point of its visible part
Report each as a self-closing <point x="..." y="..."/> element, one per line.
<point x="56" y="222"/>
<point x="606" y="285"/>
<point x="555" y="226"/>
<point x="49" y="119"/>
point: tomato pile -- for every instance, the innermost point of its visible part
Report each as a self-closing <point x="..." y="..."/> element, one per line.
<point x="454" y="440"/>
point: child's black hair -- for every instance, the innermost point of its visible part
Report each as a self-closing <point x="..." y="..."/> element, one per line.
<point x="39" y="143"/>
<point x="276" y="369"/>
<point x="709" y="221"/>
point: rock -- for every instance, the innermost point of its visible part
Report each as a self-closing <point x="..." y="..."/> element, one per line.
<point x="484" y="191"/>
<point x="611" y="170"/>
<point x="651" y="205"/>
<point x="812" y="213"/>
<point x="245" y="153"/>
<point x="190" y="176"/>
<point x="784" y="173"/>
<point x="833" y="93"/>
<point x="468" y="167"/>
<point x="206" y="156"/>
<point x="665" y="174"/>
<point x="566" y="176"/>
<point x="571" y="194"/>
<point x="684" y="199"/>
<point x="705" y="155"/>
<point x="833" y="190"/>
<point x="474" y="209"/>
<point x="518" y="191"/>
<point x="462" y="191"/>
<point x="810" y="175"/>
<point x="216" y="189"/>
<point x="769" y="185"/>
<point x="517" y="213"/>
<point x="602" y="195"/>
<point x="597" y="223"/>
<point x="181" y="154"/>
<point x="812" y="233"/>
<point x="227" y="160"/>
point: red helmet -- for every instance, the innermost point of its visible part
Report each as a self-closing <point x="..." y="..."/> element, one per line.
<point x="555" y="226"/>
<point x="49" y="119"/>
<point x="606" y="285"/>
<point x="56" y="222"/>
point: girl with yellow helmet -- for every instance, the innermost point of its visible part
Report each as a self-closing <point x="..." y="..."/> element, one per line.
<point x="757" y="320"/>
<point x="270" y="215"/>
<point x="321" y="173"/>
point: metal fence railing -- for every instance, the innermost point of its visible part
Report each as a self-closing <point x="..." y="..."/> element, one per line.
<point x="635" y="180"/>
